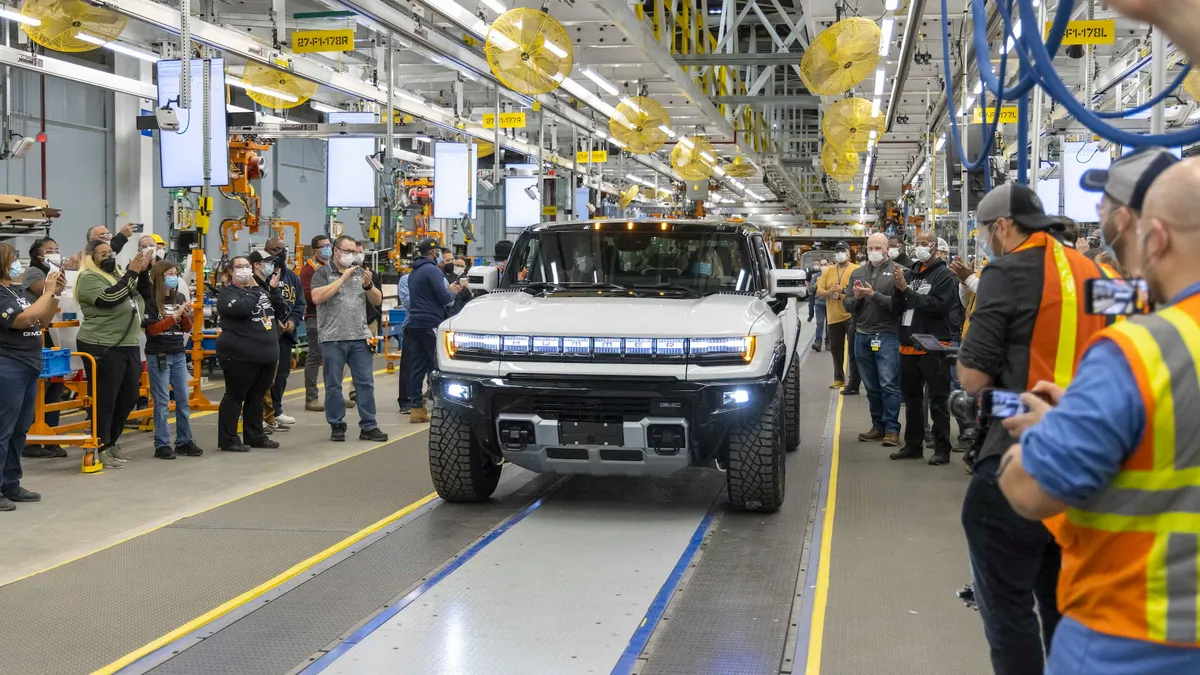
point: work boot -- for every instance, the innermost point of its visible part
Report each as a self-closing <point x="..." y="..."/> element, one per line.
<point x="22" y="495"/>
<point x="418" y="415"/>
<point x="37" y="452"/>
<point x="816" y="347"/>
<point x="108" y="461"/>
<point x="6" y="505"/>
<point x="338" y="433"/>
<point x="56" y="451"/>
<point x="119" y="454"/>
<point x="314" y="406"/>
<point x="236" y="447"/>
<point x="189" y="449"/>
<point x="891" y="440"/>
<point x="908" y="453"/>
<point x="376" y="435"/>
<point x="939" y="458"/>
<point x="350" y="404"/>
<point x="264" y="442"/>
<point x="850" y="392"/>
<point x="875" y="434"/>
<point x="165" y="452"/>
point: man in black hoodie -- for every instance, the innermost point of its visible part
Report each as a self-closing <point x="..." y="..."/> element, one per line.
<point x="293" y="293"/>
<point x="428" y="295"/>
<point x="925" y="298"/>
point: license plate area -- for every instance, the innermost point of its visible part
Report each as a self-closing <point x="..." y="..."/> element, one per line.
<point x="591" y="433"/>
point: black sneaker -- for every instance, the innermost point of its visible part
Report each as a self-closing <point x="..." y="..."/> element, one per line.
<point x="6" y="505"/>
<point x="164" y="452"/>
<point x="264" y="443"/>
<point x="268" y="430"/>
<point x="56" y="451"/>
<point x="338" y="433"/>
<point x="22" y="495"/>
<point x="37" y="452"/>
<point x="939" y="458"/>
<point x="816" y="347"/>
<point x="405" y="408"/>
<point x="907" y="453"/>
<point x="376" y="435"/>
<point x="189" y="449"/>
<point x="236" y="447"/>
<point x="850" y="392"/>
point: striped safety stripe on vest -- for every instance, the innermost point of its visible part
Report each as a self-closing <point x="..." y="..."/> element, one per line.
<point x="1153" y="504"/>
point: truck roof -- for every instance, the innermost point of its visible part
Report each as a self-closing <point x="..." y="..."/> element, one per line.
<point x="690" y="224"/>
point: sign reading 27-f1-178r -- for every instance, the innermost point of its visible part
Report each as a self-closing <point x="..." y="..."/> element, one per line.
<point x="323" y="41"/>
<point x="1098" y="32"/>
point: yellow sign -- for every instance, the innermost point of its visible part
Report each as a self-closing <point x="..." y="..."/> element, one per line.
<point x="507" y="120"/>
<point x="1098" y="32"/>
<point x="549" y="210"/>
<point x="1008" y="115"/>
<point x="304" y="41"/>
<point x="597" y="157"/>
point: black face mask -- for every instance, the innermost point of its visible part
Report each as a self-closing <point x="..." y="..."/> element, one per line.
<point x="108" y="266"/>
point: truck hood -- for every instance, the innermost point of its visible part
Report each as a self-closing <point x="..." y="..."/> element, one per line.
<point x="525" y="314"/>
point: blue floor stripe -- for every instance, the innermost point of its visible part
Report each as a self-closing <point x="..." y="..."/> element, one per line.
<point x="642" y="635"/>
<point x="383" y="617"/>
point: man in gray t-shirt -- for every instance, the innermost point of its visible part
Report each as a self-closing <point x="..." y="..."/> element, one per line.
<point x="341" y="291"/>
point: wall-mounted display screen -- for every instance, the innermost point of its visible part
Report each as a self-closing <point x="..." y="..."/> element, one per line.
<point x="455" y="179"/>
<point x="582" y="195"/>
<point x="181" y="152"/>
<point x="520" y="209"/>
<point x="1078" y="204"/>
<point x="1048" y="189"/>
<point x="349" y="179"/>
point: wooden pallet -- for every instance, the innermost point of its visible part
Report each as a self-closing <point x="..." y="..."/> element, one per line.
<point x="19" y="203"/>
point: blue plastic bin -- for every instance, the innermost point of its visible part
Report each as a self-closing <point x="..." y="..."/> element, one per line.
<point x="56" y="362"/>
<point x="397" y="315"/>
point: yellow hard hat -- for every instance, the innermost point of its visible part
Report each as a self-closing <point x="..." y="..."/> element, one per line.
<point x="158" y="240"/>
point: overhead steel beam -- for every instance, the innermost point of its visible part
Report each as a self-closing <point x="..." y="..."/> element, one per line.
<point x="780" y="59"/>
<point x="20" y="58"/>
<point x="800" y="100"/>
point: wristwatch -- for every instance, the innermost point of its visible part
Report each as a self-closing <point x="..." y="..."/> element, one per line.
<point x="56" y="296"/>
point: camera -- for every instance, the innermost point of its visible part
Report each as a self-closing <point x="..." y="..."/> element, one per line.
<point x="964" y="406"/>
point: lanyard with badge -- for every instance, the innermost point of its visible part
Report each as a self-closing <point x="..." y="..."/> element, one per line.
<point x="837" y="295"/>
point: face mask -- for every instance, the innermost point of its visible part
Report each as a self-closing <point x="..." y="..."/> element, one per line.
<point x="325" y="251"/>
<point x="841" y="257"/>
<point x="347" y="259"/>
<point x="703" y="269"/>
<point x="876" y="257"/>
<point x="893" y="253"/>
<point x="460" y="271"/>
<point x="923" y="253"/>
<point x="147" y="250"/>
<point x="108" y="266"/>
<point x="359" y="258"/>
<point x="171" y="282"/>
<point x="268" y="268"/>
<point x="983" y="242"/>
<point x="52" y="259"/>
<point x="160" y="253"/>
<point x="243" y="274"/>
<point x="1108" y="245"/>
<point x="15" y="269"/>
<point x="582" y="264"/>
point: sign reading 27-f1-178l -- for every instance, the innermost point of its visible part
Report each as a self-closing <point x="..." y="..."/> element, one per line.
<point x="323" y="41"/>
<point x="1097" y="32"/>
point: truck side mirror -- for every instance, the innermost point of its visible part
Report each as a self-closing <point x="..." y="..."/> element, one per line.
<point x="485" y="279"/>
<point x="789" y="282"/>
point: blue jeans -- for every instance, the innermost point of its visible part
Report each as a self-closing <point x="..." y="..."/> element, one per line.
<point x="18" y="398"/>
<point x="356" y="354"/>
<point x="880" y="372"/>
<point x="167" y="372"/>
<point x="820" y="324"/>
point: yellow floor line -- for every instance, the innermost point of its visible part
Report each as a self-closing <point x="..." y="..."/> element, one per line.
<point x="287" y="394"/>
<point x="414" y="432"/>
<point x="821" y="598"/>
<point x="250" y="595"/>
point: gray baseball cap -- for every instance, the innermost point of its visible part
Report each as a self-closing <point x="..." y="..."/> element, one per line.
<point x="1016" y="202"/>
<point x="1128" y="179"/>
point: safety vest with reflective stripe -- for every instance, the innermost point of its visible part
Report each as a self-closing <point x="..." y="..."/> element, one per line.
<point x="1131" y="554"/>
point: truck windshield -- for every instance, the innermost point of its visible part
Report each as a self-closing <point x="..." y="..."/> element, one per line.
<point x="694" y="262"/>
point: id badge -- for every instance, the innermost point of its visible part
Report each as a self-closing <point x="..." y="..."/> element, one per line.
<point x="836" y="295"/>
<point x="908" y="318"/>
<point x="875" y="344"/>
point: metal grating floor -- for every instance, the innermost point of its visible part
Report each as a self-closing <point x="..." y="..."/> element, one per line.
<point x="734" y="613"/>
<point x="898" y="556"/>
<point x="86" y="614"/>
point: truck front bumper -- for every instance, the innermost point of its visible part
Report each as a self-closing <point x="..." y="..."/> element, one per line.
<point x="603" y="426"/>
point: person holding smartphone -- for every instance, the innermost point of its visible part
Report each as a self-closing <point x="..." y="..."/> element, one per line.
<point x="44" y="258"/>
<point x="168" y="322"/>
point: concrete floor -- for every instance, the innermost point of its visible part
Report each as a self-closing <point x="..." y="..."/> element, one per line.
<point x="82" y="513"/>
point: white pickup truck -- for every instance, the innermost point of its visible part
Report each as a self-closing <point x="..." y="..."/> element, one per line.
<point x="623" y="348"/>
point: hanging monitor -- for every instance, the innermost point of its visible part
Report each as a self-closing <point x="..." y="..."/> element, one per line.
<point x="349" y="177"/>
<point x="181" y="152"/>
<point x="1048" y="190"/>
<point x="1078" y="204"/>
<point x="455" y="179"/>
<point x="522" y="201"/>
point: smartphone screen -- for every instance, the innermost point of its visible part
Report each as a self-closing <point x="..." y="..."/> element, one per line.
<point x="1117" y="296"/>
<point x="1002" y="403"/>
<point x="928" y="342"/>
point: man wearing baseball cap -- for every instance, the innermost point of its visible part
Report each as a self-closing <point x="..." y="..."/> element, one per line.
<point x="428" y="297"/>
<point x="1029" y="325"/>
<point x="1124" y="185"/>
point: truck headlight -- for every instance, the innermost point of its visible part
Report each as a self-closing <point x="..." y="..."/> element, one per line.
<point x="471" y="344"/>
<point x="458" y="391"/>
<point x="705" y="349"/>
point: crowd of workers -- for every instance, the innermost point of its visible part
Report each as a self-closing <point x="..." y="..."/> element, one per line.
<point x="139" y="316"/>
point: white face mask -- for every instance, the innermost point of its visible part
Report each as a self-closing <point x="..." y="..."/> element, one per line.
<point x="924" y="253"/>
<point x="359" y="258"/>
<point x="160" y="253"/>
<point x="876" y="257"/>
<point x="893" y="253"/>
<point x="243" y="274"/>
<point x="841" y="256"/>
<point x="148" y="250"/>
<point x="347" y="259"/>
<point x="53" y="259"/>
<point x="460" y="271"/>
<point x="268" y="269"/>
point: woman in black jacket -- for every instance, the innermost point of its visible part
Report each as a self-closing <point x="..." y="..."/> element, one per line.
<point x="248" y="351"/>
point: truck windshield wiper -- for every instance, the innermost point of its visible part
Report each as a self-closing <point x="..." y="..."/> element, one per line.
<point x="678" y="288"/>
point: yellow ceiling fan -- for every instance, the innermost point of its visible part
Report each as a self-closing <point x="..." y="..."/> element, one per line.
<point x="842" y="56"/>
<point x="528" y="51"/>
<point x="739" y="169"/>
<point x="627" y="196"/>
<point x="841" y="165"/>
<point x="275" y="89"/>
<point x="64" y="21"/>
<point x="640" y="124"/>
<point x="850" y="123"/>
<point x="693" y="158"/>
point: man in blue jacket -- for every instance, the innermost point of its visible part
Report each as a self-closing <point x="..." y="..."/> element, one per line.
<point x="428" y="296"/>
<point x="293" y="293"/>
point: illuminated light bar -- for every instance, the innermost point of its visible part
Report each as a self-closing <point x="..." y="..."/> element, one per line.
<point x="576" y="345"/>
<point x="600" y="81"/>
<point x="885" y="36"/>
<point x="670" y="347"/>
<point x="606" y="346"/>
<point x="515" y="344"/>
<point x="547" y="345"/>
<point x="554" y="49"/>
<point x="475" y="345"/>
<point x="639" y="346"/>
<point x="281" y="95"/>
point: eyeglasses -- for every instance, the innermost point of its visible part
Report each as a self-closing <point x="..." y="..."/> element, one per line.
<point x="347" y="250"/>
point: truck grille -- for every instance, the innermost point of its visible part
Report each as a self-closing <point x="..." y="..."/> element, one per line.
<point x="571" y="409"/>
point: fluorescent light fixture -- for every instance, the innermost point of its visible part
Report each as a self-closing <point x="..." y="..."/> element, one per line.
<point x="19" y="17"/>
<point x="122" y="49"/>
<point x="600" y="81"/>
<point x="663" y="128"/>
<point x="885" y="36"/>
<point x="409" y="97"/>
<point x="600" y="134"/>
<point x="970" y="102"/>
<point x="940" y="142"/>
<point x="281" y="95"/>
<point x="324" y="107"/>
<point x="707" y="157"/>
<point x="629" y="102"/>
<point x="978" y="88"/>
<point x="554" y="49"/>
<point x="423" y="139"/>
<point x="891" y="5"/>
<point x="875" y="103"/>
<point x="879" y="82"/>
<point x="721" y="172"/>
<point x="499" y="8"/>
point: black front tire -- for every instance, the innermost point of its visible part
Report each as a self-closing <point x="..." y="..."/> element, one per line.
<point x="791" y="406"/>
<point x="461" y="471"/>
<point x="755" y="474"/>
